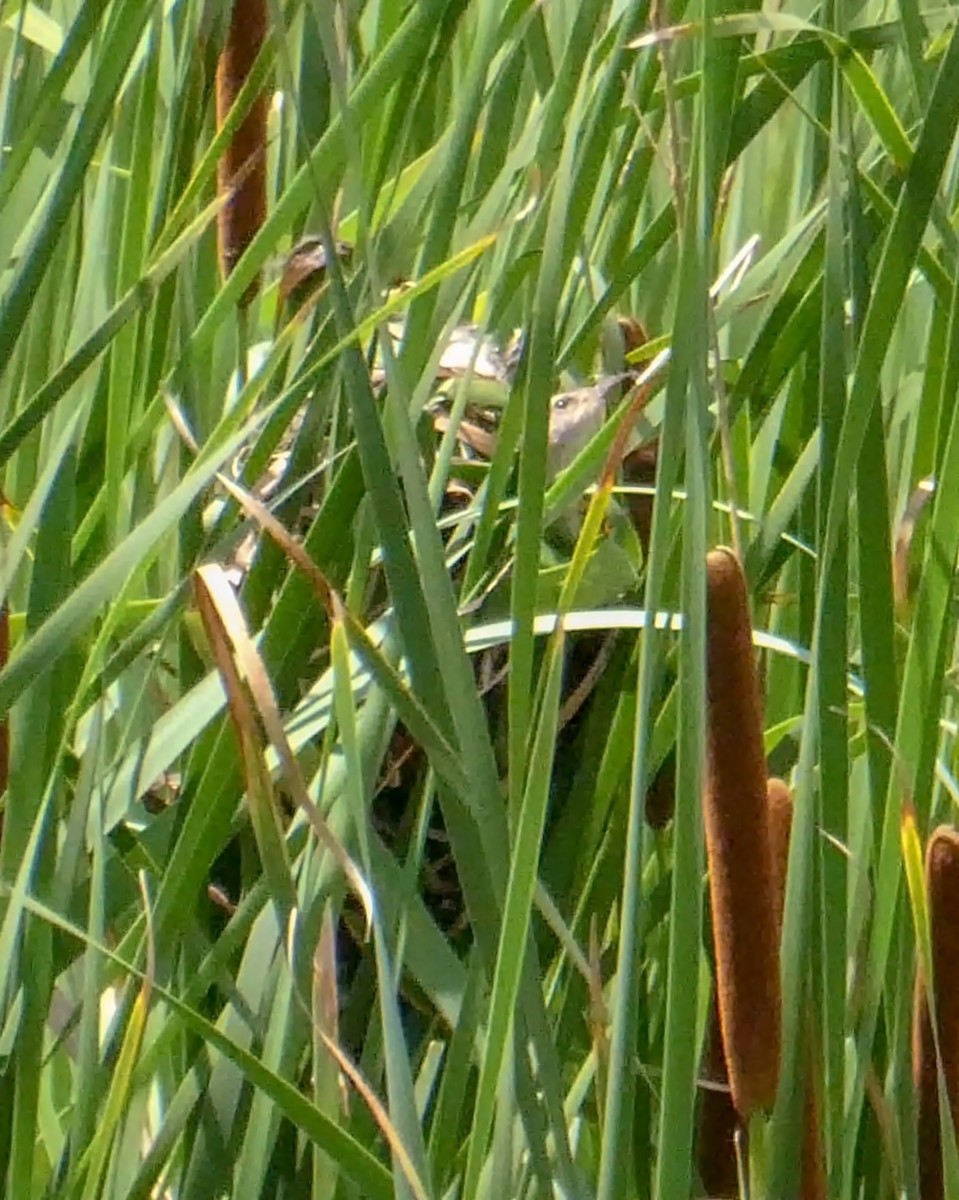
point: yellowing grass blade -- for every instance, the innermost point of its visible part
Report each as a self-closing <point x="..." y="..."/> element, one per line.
<point x="213" y="579"/>
<point x="912" y="861"/>
<point x="230" y="642"/>
<point x="380" y="1115"/>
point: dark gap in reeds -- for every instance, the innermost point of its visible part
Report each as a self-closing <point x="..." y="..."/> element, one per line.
<point x="639" y="466"/>
<point x="716" y="1138"/>
<point x="661" y="793"/>
<point x="739" y="854"/>
<point x="942" y="891"/>
<point x="241" y="172"/>
<point x="639" y="470"/>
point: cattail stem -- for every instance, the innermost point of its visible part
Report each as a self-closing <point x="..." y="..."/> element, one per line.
<point x="942" y="889"/>
<point x="241" y="171"/>
<point x="742" y="890"/>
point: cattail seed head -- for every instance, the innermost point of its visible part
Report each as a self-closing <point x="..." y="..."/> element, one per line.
<point x="942" y="890"/>
<point x="813" y="1172"/>
<point x="241" y="172"/>
<point x="716" y="1147"/>
<point x="780" y="802"/>
<point x="741" y="883"/>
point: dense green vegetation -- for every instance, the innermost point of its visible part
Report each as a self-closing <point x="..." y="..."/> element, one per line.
<point x="324" y="866"/>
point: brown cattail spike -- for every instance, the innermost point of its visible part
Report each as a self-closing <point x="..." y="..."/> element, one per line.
<point x="717" y="1119"/>
<point x="780" y="802"/>
<point x="780" y="827"/>
<point x="741" y="880"/>
<point x="242" y="169"/>
<point x="942" y="889"/>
